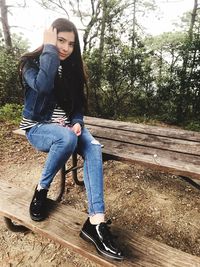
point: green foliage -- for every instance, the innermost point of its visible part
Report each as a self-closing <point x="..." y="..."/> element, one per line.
<point x="9" y="86"/>
<point x="126" y="78"/>
<point x="193" y="126"/>
<point x="10" y="89"/>
<point x="146" y="81"/>
<point x="11" y="113"/>
<point x="133" y="76"/>
<point x="130" y="76"/>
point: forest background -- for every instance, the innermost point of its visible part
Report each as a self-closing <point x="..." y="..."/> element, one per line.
<point x="133" y="75"/>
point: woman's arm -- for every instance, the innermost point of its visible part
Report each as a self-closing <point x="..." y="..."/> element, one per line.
<point x="42" y="79"/>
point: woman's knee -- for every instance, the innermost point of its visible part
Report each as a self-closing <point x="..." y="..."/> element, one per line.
<point x="92" y="147"/>
<point x="68" y="140"/>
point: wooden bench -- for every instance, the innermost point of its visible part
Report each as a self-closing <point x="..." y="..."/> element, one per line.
<point x="166" y="149"/>
<point x="169" y="150"/>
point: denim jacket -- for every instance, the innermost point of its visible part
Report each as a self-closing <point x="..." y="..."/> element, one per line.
<point x="38" y="80"/>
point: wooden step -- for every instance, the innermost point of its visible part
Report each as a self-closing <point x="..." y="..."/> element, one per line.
<point x="64" y="224"/>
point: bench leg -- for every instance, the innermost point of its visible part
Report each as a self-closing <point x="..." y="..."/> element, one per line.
<point x="62" y="183"/>
<point x="64" y="172"/>
<point x="193" y="182"/>
<point x="15" y="227"/>
<point x="74" y="170"/>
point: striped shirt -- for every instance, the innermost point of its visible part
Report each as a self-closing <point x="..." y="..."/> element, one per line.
<point x="58" y="116"/>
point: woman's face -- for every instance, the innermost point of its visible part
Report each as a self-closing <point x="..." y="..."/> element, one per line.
<point x="65" y="44"/>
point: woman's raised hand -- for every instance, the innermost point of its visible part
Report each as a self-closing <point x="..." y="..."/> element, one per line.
<point x="50" y="36"/>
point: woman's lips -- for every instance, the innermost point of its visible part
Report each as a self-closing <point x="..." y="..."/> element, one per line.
<point x="63" y="55"/>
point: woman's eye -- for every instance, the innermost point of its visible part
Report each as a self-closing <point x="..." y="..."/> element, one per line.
<point x="60" y="40"/>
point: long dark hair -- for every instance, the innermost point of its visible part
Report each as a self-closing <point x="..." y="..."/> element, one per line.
<point x="69" y="84"/>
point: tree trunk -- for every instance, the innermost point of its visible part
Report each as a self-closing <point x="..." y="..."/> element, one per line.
<point x="100" y="53"/>
<point x="87" y="39"/>
<point x="193" y="18"/>
<point x="102" y="34"/>
<point x="133" y="44"/>
<point x="184" y="94"/>
<point x="5" y="25"/>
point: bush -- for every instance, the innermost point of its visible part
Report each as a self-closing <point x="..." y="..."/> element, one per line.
<point x="11" y="113"/>
<point x="10" y="87"/>
<point x="193" y="126"/>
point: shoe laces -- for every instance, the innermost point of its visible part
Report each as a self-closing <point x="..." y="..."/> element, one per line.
<point x="105" y="230"/>
<point x="107" y="237"/>
<point x="40" y="196"/>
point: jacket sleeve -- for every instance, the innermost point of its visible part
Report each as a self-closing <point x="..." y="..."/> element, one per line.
<point x="41" y="79"/>
<point x="77" y="117"/>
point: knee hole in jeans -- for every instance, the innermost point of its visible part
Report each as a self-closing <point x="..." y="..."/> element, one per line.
<point x="96" y="142"/>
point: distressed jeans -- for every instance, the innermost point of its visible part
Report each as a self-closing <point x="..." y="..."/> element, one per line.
<point x="60" y="143"/>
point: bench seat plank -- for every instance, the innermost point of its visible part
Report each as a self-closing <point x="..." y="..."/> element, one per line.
<point x="64" y="224"/>
<point x="158" y="154"/>
<point x="144" y="139"/>
<point x="171" y="162"/>
<point x="143" y="128"/>
<point x="138" y="128"/>
<point x="165" y="143"/>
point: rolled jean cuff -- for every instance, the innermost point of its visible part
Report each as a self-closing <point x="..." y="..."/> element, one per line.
<point x="92" y="213"/>
<point x="44" y="186"/>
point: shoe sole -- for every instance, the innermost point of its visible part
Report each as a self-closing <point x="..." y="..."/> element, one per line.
<point x="36" y="219"/>
<point x="86" y="237"/>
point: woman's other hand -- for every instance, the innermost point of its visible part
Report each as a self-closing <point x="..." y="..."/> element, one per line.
<point x="76" y="128"/>
<point x="50" y="36"/>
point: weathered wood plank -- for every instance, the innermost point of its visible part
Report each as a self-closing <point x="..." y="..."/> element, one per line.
<point x="155" y="158"/>
<point x="172" y="162"/>
<point x="144" y="139"/>
<point x="19" y="132"/>
<point x="144" y="128"/>
<point x="141" y="128"/>
<point x="63" y="226"/>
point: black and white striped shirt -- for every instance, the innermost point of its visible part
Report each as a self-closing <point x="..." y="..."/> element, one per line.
<point x="58" y="116"/>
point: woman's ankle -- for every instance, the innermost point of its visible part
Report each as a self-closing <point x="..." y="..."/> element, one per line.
<point x="97" y="218"/>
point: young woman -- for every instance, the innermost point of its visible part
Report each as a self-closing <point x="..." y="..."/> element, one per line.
<point x="53" y="79"/>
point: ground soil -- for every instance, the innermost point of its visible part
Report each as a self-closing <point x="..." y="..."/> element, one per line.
<point x="153" y="204"/>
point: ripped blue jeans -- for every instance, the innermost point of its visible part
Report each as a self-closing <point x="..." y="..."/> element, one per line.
<point x="60" y="142"/>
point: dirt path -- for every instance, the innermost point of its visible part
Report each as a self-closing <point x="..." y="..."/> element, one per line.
<point x="153" y="204"/>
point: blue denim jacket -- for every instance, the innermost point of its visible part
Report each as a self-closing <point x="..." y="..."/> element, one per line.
<point x="38" y="80"/>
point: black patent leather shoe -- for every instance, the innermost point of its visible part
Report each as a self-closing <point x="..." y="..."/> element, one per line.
<point x="102" y="238"/>
<point x="38" y="206"/>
